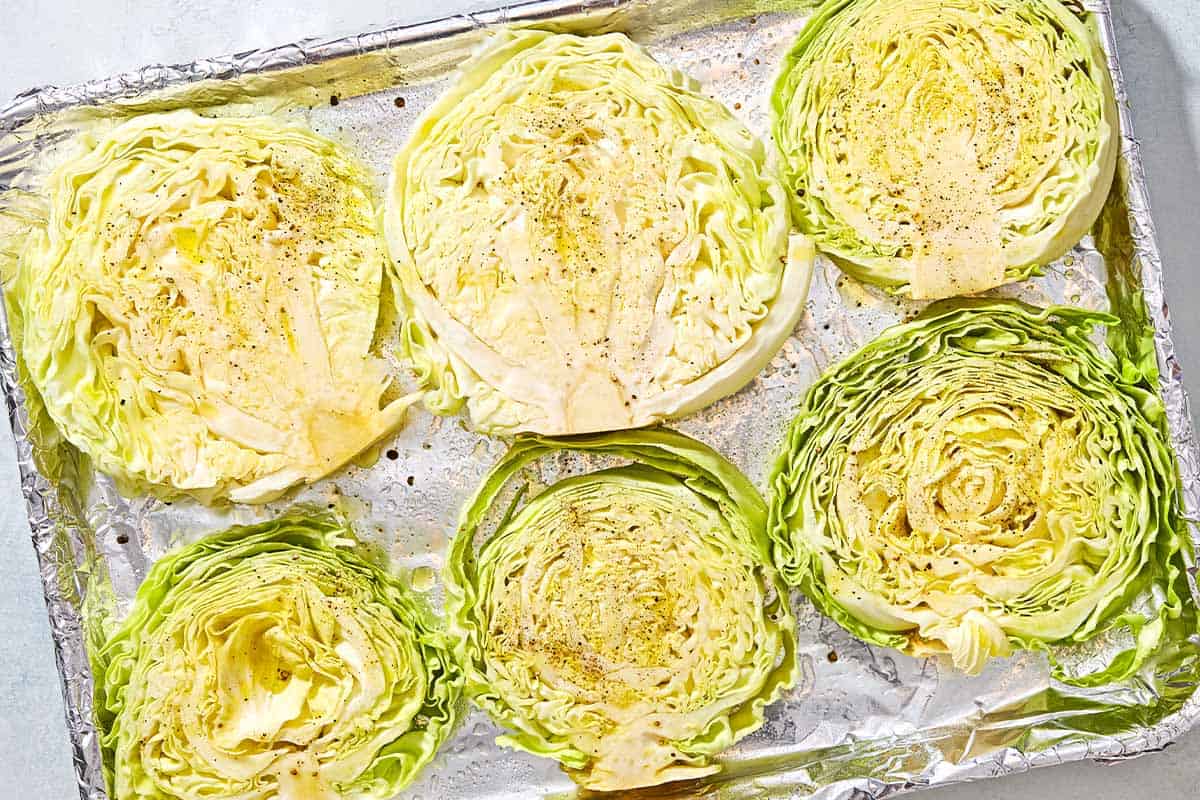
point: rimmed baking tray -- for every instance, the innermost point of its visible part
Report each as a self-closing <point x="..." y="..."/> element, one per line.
<point x="864" y="722"/>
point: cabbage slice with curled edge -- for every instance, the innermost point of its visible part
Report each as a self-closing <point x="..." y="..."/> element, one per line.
<point x="944" y="147"/>
<point x="585" y="242"/>
<point x="272" y="662"/>
<point x="983" y="479"/>
<point x="625" y="622"/>
<point x="198" y="309"/>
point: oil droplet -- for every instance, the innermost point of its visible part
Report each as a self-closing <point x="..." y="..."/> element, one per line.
<point x="422" y="578"/>
<point x="856" y="294"/>
<point x="368" y="457"/>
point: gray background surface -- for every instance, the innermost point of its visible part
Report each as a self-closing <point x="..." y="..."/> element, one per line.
<point x="75" y="40"/>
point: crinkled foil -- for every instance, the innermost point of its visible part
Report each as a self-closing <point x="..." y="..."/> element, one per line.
<point x="864" y="722"/>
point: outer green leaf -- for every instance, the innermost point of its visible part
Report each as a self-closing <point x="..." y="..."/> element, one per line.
<point x="982" y="479"/>
<point x="271" y="661"/>
<point x="586" y="242"/>
<point x="625" y="622"/>
<point x="943" y="147"/>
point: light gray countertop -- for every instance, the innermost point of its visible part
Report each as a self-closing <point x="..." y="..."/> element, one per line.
<point x="68" y="41"/>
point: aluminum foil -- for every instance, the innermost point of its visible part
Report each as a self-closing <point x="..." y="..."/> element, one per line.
<point x="863" y="722"/>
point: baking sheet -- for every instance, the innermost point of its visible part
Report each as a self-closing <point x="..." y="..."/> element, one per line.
<point x="863" y="722"/>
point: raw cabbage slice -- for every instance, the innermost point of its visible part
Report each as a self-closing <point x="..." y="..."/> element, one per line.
<point x="980" y="480"/>
<point x="585" y="242"/>
<point x="625" y="622"/>
<point x="197" y="310"/>
<point x="268" y="662"/>
<point x="943" y="147"/>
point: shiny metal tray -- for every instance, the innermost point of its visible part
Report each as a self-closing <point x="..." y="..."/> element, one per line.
<point x="863" y="722"/>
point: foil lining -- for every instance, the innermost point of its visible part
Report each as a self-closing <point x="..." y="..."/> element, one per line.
<point x="863" y="722"/>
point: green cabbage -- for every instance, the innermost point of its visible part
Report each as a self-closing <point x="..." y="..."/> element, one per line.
<point x="272" y="662"/>
<point x="625" y="622"/>
<point x="585" y="242"/>
<point x="983" y="479"/>
<point x="198" y="307"/>
<point x="943" y="147"/>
